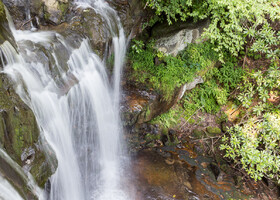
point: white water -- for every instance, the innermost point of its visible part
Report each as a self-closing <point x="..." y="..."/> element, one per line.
<point x="81" y="123"/>
<point x="7" y="192"/>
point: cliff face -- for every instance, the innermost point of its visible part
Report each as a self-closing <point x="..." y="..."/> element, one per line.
<point x="19" y="133"/>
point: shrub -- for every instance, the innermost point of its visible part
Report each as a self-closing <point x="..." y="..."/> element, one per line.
<point x="232" y="22"/>
<point x="255" y="146"/>
<point x="169" y="73"/>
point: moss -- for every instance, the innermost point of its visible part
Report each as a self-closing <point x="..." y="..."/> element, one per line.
<point x="213" y="131"/>
<point x="2" y="11"/>
<point x="151" y="137"/>
<point x="147" y="113"/>
<point x="198" y="133"/>
<point x="41" y="171"/>
<point x="47" y="16"/>
<point x="63" y="7"/>
<point x="19" y="131"/>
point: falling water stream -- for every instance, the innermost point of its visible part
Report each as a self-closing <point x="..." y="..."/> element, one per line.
<point x="76" y="106"/>
<point x="7" y="191"/>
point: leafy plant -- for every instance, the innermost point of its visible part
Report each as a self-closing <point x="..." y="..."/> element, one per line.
<point x="169" y="119"/>
<point x="179" y="9"/>
<point x="260" y="83"/>
<point x="232" y="22"/>
<point x="137" y="46"/>
<point x="166" y="73"/>
<point x="255" y="146"/>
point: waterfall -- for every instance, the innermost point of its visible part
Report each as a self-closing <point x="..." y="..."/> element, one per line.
<point x="76" y="107"/>
<point x="7" y="191"/>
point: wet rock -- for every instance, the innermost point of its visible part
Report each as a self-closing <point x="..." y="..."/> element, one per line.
<point x="172" y="39"/>
<point x="141" y="136"/>
<point x="27" y="157"/>
<point x="172" y="135"/>
<point x="218" y="173"/>
<point x="161" y="178"/>
<point x="12" y="172"/>
<point x="5" y="32"/>
<point x="55" y="10"/>
<point x="19" y="133"/>
<point x="17" y="10"/>
<point x="213" y="131"/>
<point x="132" y="15"/>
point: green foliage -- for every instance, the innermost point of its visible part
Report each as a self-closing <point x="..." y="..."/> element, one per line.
<point x="170" y="119"/>
<point x="181" y="9"/>
<point x="232" y="22"/>
<point x="265" y="41"/>
<point x="215" y="91"/>
<point x="137" y="46"/>
<point x="258" y="85"/>
<point x="166" y="73"/>
<point x="229" y="76"/>
<point x="2" y="11"/>
<point x="255" y="146"/>
<point x="208" y="97"/>
<point x="237" y="28"/>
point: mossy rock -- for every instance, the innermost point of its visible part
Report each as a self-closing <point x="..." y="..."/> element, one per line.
<point x="198" y="133"/>
<point x="213" y="131"/>
<point x="2" y="11"/>
<point x="19" y="132"/>
<point x="5" y="32"/>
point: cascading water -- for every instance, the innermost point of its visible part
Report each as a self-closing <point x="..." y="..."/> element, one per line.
<point x="7" y="191"/>
<point x="76" y="108"/>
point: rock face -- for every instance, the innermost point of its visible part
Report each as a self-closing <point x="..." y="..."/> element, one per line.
<point x="66" y="18"/>
<point x="19" y="133"/>
<point x="54" y="9"/>
<point x="132" y="15"/>
<point x="4" y="27"/>
<point x="171" y="40"/>
<point x="141" y="106"/>
<point x="44" y="12"/>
